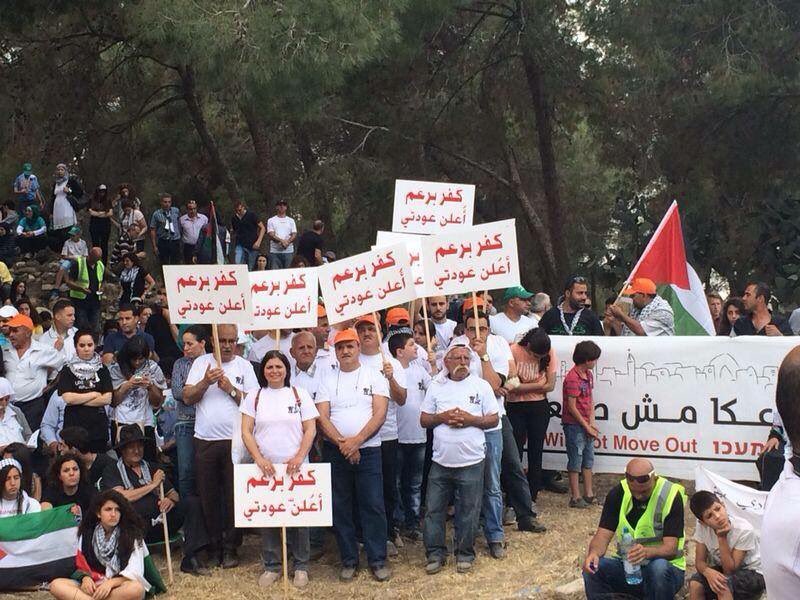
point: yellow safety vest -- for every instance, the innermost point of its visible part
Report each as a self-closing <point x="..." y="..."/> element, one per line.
<point x="83" y="276"/>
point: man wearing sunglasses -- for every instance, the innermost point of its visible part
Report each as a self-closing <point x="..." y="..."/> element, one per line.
<point x="651" y="508"/>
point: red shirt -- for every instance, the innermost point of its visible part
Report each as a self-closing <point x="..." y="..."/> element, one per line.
<point x="581" y="389"/>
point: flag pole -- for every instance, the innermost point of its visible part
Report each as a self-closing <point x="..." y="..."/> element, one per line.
<point x="166" y="536"/>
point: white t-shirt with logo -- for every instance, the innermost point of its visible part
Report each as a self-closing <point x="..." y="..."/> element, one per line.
<point x="283" y="227"/>
<point x="388" y="430"/>
<point x="279" y="420"/>
<point x="8" y="508"/>
<point x="409" y="431"/>
<point x="463" y="446"/>
<point x="444" y="333"/>
<point x="742" y="536"/>
<point x="509" y="330"/>
<point x="216" y="411"/>
<point x="350" y="396"/>
<point x="263" y="345"/>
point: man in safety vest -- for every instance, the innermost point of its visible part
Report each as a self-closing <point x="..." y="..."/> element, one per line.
<point x="85" y="279"/>
<point x="650" y="508"/>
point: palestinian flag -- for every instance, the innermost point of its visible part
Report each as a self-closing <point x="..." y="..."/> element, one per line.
<point x="664" y="262"/>
<point x="212" y="246"/>
<point x="37" y="548"/>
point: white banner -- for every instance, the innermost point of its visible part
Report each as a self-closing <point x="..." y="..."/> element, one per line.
<point x="208" y="294"/>
<point x="483" y="257"/>
<point x="284" y="298"/>
<point x="680" y="401"/>
<point x="366" y="283"/>
<point x="740" y="500"/>
<point x="300" y="500"/>
<point x="430" y="207"/>
<point x="414" y="247"/>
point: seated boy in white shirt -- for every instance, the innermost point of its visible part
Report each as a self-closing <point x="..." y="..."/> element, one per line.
<point x="728" y="560"/>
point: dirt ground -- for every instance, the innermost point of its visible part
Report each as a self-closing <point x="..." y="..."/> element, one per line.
<point x="535" y="565"/>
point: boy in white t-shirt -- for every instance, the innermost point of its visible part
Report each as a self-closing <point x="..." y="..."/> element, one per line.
<point x="73" y="248"/>
<point x="728" y="559"/>
<point x="281" y="230"/>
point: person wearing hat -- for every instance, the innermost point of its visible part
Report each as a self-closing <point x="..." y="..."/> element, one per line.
<point x="513" y="322"/>
<point x="73" y="249"/>
<point x="247" y="231"/>
<point x="13" y="426"/>
<point x="140" y="483"/>
<point x="282" y="231"/>
<point x="67" y="192"/>
<point x="26" y="187"/>
<point x="651" y="315"/>
<point x="165" y="231"/>
<point x="398" y="318"/>
<point x="352" y="402"/>
<point x="101" y="214"/>
<point x="31" y="367"/>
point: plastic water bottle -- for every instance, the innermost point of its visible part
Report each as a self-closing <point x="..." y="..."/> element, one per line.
<point x="633" y="573"/>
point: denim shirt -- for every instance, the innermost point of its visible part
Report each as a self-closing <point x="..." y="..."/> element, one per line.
<point x="180" y="371"/>
<point x="166" y="225"/>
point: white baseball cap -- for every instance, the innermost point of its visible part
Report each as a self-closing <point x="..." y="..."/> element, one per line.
<point x="8" y="311"/>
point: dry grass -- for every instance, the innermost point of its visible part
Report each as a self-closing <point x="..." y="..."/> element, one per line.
<point x="534" y="566"/>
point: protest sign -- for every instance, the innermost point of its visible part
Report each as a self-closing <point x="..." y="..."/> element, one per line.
<point x="681" y="402"/>
<point x="482" y="257"/>
<point x="740" y="500"/>
<point x="208" y="294"/>
<point x="284" y="298"/>
<point x="412" y="242"/>
<point x="366" y="283"/>
<point x="300" y="500"/>
<point x="430" y="207"/>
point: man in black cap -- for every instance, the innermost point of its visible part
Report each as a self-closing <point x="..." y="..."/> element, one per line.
<point x="141" y="483"/>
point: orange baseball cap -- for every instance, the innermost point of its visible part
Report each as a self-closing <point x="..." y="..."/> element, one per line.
<point x="468" y="304"/>
<point x="365" y="319"/>
<point x="395" y="315"/>
<point x="20" y="320"/>
<point x="345" y="335"/>
<point x="640" y="285"/>
<point x="321" y="311"/>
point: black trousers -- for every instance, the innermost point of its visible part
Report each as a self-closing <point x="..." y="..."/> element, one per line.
<point x="530" y="421"/>
<point x="186" y="514"/>
<point x="214" y="472"/>
<point x="512" y="477"/>
<point x="389" y="454"/>
<point x="100" y="231"/>
<point x="169" y="252"/>
<point x="188" y="253"/>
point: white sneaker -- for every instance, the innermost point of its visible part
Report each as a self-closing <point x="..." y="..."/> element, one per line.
<point x="300" y="579"/>
<point x="268" y="578"/>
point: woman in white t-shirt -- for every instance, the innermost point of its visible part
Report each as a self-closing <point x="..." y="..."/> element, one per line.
<point x="278" y="426"/>
<point x="14" y="500"/>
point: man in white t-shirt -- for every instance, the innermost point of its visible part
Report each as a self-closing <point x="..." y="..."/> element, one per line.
<point x="352" y="402"/>
<point x="437" y="310"/>
<point x="60" y="335"/>
<point x="460" y="407"/>
<point x="281" y="231"/>
<point x="513" y="322"/>
<point x="780" y="529"/>
<point x="267" y="342"/>
<point x="217" y="393"/>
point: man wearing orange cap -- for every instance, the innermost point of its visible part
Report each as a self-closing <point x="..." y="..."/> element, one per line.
<point x="651" y="315"/>
<point x="31" y="368"/>
<point x="352" y="402"/>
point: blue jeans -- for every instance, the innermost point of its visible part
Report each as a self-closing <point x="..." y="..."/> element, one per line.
<point x="280" y="260"/>
<point x="492" y="509"/>
<point x="412" y="459"/>
<point x="580" y="448"/>
<point x="245" y="256"/>
<point x="466" y="484"/>
<point x="661" y="580"/>
<point x="365" y="481"/>
<point x="184" y="443"/>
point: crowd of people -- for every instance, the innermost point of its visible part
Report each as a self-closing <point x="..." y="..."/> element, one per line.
<point x="418" y="419"/>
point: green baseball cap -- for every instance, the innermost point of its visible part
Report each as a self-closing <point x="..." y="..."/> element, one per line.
<point x="516" y="292"/>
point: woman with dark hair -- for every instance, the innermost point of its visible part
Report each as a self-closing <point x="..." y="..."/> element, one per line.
<point x="68" y="485"/>
<point x="261" y="262"/>
<point x="31" y="482"/>
<point x="528" y="409"/>
<point x="731" y="311"/>
<point x="134" y="279"/>
<point x="18" y="290"/>
<point x="111" y="553"/>
<point x="278" y="426"/>
<point x="100" y="214"/>
<point x="14" y="499"/>
<point x="139" y="386"/>
<point x="86" y="387"/>
<point x="26" y="307"/>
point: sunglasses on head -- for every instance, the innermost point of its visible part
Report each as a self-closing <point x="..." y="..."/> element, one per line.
<point x="640" y="478"/>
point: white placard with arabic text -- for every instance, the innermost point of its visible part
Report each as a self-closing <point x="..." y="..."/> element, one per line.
<point x="300" y="500"/>
<point x="366" y="283"/>
<point x="208" y="294"/>
<point x="413" y="245"/>
<point x="430" y="207"/>
<point x="284" y="298"/>
<point x="681" y="402"/>
<point x="483" y="257"/>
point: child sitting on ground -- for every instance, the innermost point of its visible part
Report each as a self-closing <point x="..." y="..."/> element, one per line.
<point x="728" y="560"/>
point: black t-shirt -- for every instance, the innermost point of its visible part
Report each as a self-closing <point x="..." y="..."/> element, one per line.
<point x="58" y="497"/>
<point x="115" y="340"/>
<point x="146" y="506"/>
<point x="308" y="242"/>
<point x="588" y="323"/>
<point x="246" y="229"/>
<point x="744" y="326"/>
<point x="165" y="346"/>
<point x="99" y="466"/>
<point x="92" y="418"/>
<point x="673" y="522"/>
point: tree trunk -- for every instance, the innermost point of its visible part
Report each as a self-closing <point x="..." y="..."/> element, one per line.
<point x="206" y="138"/>
<point x="264" y="159"/>
<point x="304" y="149"/>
